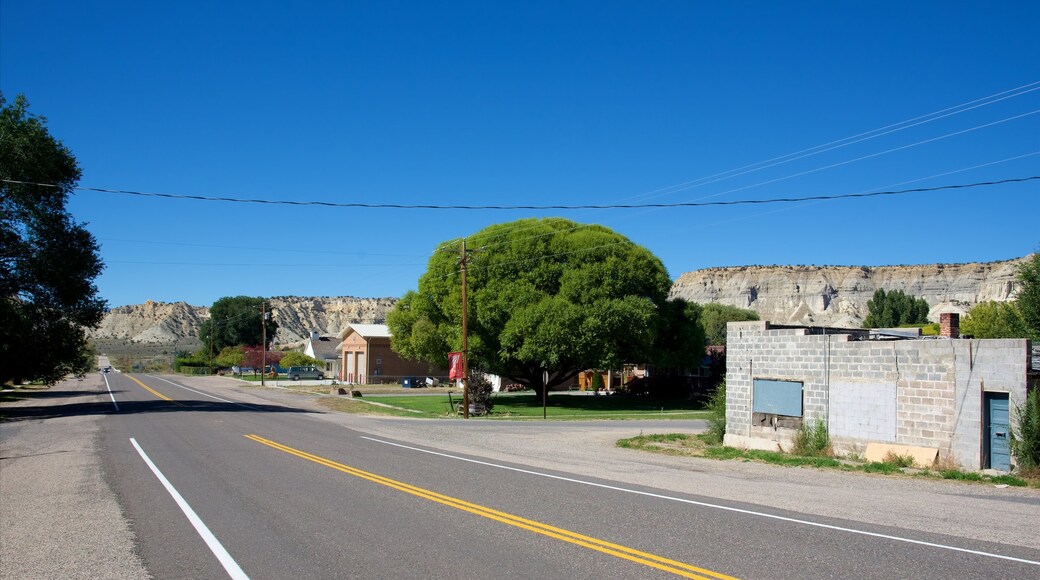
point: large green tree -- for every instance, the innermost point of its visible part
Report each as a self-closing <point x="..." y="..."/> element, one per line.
<point x="1028" y="300"/>
<point x="894" y="309"/>
<point x="994" y="320"/>
<point x="236" y="320"/>
<point x="714" y="318"/>
<point x="547" y="296"/>
<point x="48" y="261"/>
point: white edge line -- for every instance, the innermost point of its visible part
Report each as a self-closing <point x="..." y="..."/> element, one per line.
<point x="109" y="387"/>
<point x="197" y="392"/>
<point x="206" y="394"/>
<point x="218" y="550"/>
<point x="715" y="506"/>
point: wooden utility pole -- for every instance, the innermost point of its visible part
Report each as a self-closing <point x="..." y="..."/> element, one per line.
<point x="263" y="339"/>
<point x="465" y="343"/>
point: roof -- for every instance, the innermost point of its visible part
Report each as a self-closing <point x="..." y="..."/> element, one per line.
<point x="368" y="330"/>
<point x="325" y="348"/>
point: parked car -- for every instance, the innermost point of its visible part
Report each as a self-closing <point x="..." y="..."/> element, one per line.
<point x="297" y="373"/>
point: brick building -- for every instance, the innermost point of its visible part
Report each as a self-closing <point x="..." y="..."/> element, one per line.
<point x="948" y="394"/>
<point x="366" y="358"/>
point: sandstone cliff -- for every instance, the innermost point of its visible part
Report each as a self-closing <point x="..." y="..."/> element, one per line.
<point x="297" y="317"/>
<point x="838" y="295"/>
<point x="822" y="295"/>
<point x="169" y="323"/>
<point x="152" y="322"/>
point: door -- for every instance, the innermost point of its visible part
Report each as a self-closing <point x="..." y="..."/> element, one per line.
<point x="998" y="447"/>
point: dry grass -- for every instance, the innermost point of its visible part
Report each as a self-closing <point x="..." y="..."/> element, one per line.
<point x="900" y="460"/>
<point x="945" y="463"/>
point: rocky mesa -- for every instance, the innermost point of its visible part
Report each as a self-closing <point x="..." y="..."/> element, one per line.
<point x="838" y="295"/>
<point x="820" y="295"/>
<point x="169" y="323"/>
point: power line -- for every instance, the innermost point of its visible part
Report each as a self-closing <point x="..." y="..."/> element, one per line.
<point x="845" y="141"/>
<point x="358" y="205"/>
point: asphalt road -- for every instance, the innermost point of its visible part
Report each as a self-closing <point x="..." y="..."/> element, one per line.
<point x="262" y="485"/>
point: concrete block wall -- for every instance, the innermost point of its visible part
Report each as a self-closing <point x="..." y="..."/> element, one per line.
<point x="914" y="392"/>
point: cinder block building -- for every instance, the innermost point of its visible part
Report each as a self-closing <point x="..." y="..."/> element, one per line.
<point x="954" y="395"/>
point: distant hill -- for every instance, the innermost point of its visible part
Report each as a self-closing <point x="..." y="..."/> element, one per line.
<point x="170" y="323"/>
<point x="831" y="295"/>
<point x="838" y="295"/>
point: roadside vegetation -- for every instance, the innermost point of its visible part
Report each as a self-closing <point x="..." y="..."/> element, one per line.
<point x="515" y="406"/>
<point x="687" y="445"/>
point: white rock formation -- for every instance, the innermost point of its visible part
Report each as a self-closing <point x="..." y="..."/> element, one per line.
<point x="838" y="295"/>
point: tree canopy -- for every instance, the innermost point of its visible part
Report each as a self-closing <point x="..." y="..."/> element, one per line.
<point x="994" y="320"/>
<point x="1019" y="318"/>
<point x="298" y="359"/>
<point x="48" y="261"/>
<point x="236" y="320"/>
<point x="547" y="295"/>
<point x="714" y="317"/>
<point x="894" y="309"/>
<point x="1028" y="299"/>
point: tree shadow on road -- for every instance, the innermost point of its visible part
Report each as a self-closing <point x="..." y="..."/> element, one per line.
<point x="29" y="412"/>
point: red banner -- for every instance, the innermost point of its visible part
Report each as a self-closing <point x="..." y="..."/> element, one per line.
<point x="455" y="365"/>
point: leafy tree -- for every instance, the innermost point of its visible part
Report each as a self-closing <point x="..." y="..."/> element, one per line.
<point x="547" y="295"/>
<point x="994" y="320"/>
<point x="48" y="261"/>
<point x="199" y="358"/>
<point x="1028" y="300"/>
<point x="254" y="357"/>
<point x="1025" y="437"/>
<point x="298" y="359"/>
<point x="236" y="320"/>
<point x="230" y="356"/>
<point x="714" y="317"/>
<point x="894" y="309"/>
<point x="717" y="415"/>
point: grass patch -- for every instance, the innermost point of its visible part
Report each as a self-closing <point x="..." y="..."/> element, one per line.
<point x="358" y="407"/>
<point x="702" y="446"/>
<point x="812" y="440"/>
<point x="560" y="406"/>
<point x="883" y="467"/>
<point x="960" y="475"/>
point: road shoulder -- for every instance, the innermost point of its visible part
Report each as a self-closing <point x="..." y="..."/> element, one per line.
<point x="58" y="517"/>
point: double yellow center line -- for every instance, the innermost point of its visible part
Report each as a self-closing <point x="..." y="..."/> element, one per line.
<point x="644" y="558"/>
<point x="153" y="391"/>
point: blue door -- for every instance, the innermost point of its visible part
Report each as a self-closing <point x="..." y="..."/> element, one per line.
<point x="998" y="429"/>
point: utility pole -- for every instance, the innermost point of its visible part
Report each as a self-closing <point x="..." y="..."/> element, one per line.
<point x="263" y="339"/>
<point x="465" y="343"/>
<point x="211" y="345"/>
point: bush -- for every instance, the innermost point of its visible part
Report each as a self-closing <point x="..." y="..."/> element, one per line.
<point x="812" y="439"/>
<point x="717" y="415"/>
<point x="480" y="391"/>
<point x="597" y="381"/>
<point x="899" y="460"/>
<point x="1025" y="438"/>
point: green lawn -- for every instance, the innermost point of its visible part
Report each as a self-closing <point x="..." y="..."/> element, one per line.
<point x="560" y="407"/>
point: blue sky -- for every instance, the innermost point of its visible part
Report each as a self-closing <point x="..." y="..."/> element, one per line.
<point x="526" y="103"/>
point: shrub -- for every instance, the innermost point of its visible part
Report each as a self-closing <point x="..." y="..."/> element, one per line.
<point x="597" y="381"/>
<point x="717" y="415"/>
<point x="899" y="460"/>
<point x="1025" y="439"/>
<point x="812" y="439"/>
<point x="480" y="391"/>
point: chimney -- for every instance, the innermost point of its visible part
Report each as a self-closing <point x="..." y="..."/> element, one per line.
<point x="315" y="335"/>
<point x="950" y="325"/>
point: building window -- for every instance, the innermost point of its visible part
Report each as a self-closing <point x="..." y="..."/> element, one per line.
<point x="777" y="397"/>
